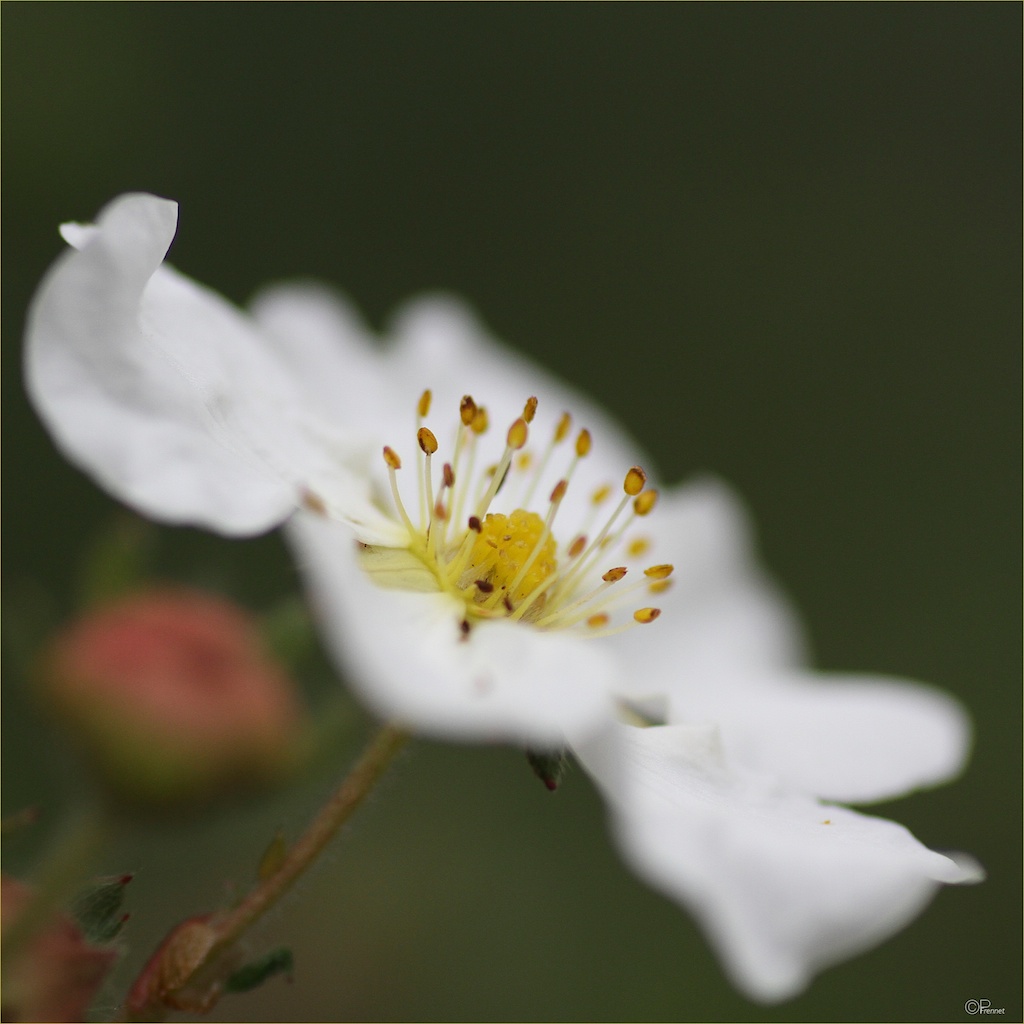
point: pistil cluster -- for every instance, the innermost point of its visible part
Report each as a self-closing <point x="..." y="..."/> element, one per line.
<point x="509" y="565"/>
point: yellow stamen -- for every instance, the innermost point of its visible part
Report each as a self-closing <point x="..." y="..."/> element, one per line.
<point x="394" y="463"/>
<point x="506" y="565"/>
<point x="645" y="502"/>
<point x="659" y="572"/>
<point x="561" y="616"/>
<point x="427" y="440"/>
<point x="634" y="482"/>
<point x="517" y="434"/>
<point x="639" y="546"/>
<point x="480" y="422"/>
<point x="562" y="430"/>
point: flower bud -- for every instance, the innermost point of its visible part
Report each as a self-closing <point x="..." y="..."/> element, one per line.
<point x="172" y="696"/>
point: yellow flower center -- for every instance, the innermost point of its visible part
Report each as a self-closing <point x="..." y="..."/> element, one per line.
<point x="501" y="557"/>
<point x="508" y="565"/>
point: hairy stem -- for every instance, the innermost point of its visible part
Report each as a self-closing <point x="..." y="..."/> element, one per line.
<point x="338" y="809"/>
<point x="204" y="940"/>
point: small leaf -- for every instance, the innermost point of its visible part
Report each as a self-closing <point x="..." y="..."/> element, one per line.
<point x="273" y="856"/>
<point x="252" y="975"/>
<point x="97" y="908"/>
<point x="548" y="765"/>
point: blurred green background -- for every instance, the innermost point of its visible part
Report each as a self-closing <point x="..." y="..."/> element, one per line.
<point x="781" y="243"/>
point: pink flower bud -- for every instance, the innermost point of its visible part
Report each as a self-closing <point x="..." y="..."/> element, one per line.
<point x="173" y="696"/>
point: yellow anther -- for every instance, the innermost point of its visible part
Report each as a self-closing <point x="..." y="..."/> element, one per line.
<point x="634" y="482"/>
<point x="467" y="410"/>
<point x="517" y="434"/>
<point x="583" y="443"/>
<point x="524" y="460"/>
<point x="427" y="440"/>
<point x="391" y="458"/>
<point x="614" y="575"/>
<point x="424" y="406"/>
<point x="597" y="621"/>
<point x="645" y="615"/>
<point x="480" y="421"/>
<point x="660" y="586"/>
<point x="562" y="430"/>
<point x="530" y="409"/>
<point x="645" y="502"/>
<point x="600" y="495"/>
<point x="448" y="475"/>
<point x="659" y="572"/>
<point x="558" y="493"/>
<point x="638" y="547"/>
<point x="577" y="546"/>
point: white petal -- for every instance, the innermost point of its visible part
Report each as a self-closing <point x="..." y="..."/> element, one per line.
<point x="783" y="884"/>
<point x="436" y="343"/>
<point x="78" y="235"/>
<point x="405" y="654"/>
<point x="722" y="616"/>
<point x="109" y="369"/>
<point x="171" y="397"/>
<point x="850" y="738"/>
<point x="337" y="365"/>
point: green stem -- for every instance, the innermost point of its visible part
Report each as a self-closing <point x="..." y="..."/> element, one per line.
<point x="338" y="809"/>
<point x="150" y="995"/>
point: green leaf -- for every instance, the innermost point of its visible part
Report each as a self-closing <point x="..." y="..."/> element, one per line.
<point x="97" y="908"/>
<point x="548" y="765"/>
<point x="252" y="975"/>
<point x="273" y="856"/>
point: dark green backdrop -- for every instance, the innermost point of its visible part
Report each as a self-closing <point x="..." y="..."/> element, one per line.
<point x="780" y="242"/>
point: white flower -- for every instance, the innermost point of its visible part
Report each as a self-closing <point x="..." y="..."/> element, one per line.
<point x="504" y="583"/>
<point x="782" y="883"/>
